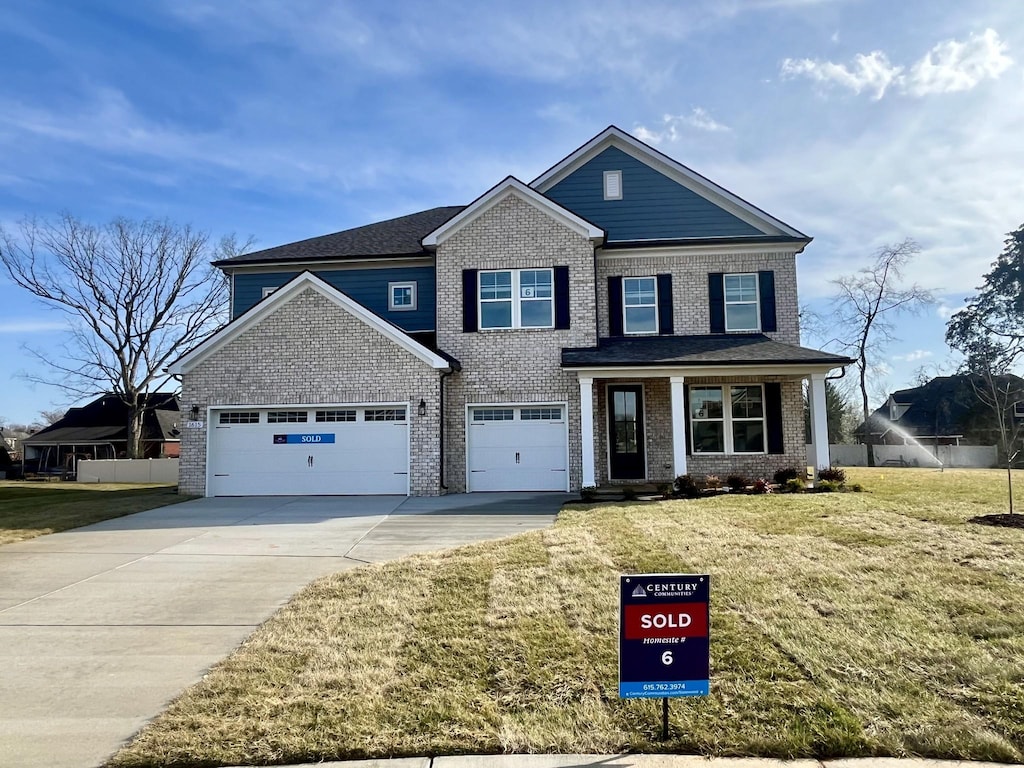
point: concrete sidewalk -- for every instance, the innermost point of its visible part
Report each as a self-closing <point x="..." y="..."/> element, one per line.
<point x="645" y="761"/>
<point x="100" y="627"/>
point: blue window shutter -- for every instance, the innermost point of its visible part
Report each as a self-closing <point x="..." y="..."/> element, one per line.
<point x="766" y="287"/>
<point x="773" y="415"/>
<point x="614" y="306"/>
<point x="469" y="298"/>
<point x="561" y="297"/>
<point x="716" y="299"/>
<point x="665" y="305"/>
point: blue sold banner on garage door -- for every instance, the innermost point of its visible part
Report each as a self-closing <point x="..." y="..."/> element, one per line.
<point x="314" y="439"/>
<point x="664" y="647"/>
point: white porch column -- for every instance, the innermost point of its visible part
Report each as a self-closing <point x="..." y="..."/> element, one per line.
<point x="587" y="430"/>
<point x="678" y="426"/>
<point x="819" y="421"/>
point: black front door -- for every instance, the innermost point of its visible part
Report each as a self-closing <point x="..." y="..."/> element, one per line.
<point x="626" y="432"/>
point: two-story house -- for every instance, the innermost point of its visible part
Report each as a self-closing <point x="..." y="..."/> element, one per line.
<point x="619" y="319"/>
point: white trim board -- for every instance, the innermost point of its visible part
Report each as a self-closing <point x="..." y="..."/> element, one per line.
<point x="687" y="177"/>
<point x="260" y="311"/>
<point x="501" y="191"/>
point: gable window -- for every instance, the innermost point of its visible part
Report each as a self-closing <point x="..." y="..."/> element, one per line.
<point x="727" y="419"/>
<point x="613" y="185"/>
<point x="639" y="305"/>
<point x="741" y="308"/>
<point x="402" y="296"/>
<point x="517" y="298"/>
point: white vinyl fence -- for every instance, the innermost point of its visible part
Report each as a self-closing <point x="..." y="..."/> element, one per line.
<point x="912" y="455"/>
<point x="128" y="471"/>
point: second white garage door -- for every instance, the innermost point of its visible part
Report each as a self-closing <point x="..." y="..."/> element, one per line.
<point x="517" y="448"/>
<point x="337" y="450"/>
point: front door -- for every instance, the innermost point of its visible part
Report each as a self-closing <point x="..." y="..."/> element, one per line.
<point x="626" y="432"/>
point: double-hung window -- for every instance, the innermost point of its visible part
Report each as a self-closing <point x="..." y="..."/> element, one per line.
<point x="741" y="306"/>
<point x="517" y="298"/>
<point x="639" y="305"/>
<point x="727" y="419"/>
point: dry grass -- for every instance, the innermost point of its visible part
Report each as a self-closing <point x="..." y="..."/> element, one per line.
<point x="842" y="625"/>
<point x="29" y="509"/>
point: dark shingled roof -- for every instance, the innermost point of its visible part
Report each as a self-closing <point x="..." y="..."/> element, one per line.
<point x="712" y="349"/>
<point x="106" y="418"/>
<point x="394" y="237"/>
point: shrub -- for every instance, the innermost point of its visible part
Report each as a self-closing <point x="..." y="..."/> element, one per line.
<point x="713" y="482"/>
<point x="832" y="474"/>
<point x="5" y="458"/>
<point x="736" y="482"/>
<point x="827" y="486"/>
<point x="686" y="487"/>
<point x="588" y="492"/>
<point x="629" y="493"/>
<point x="783" y="476"/>
<point x="795" y="485"/>
<point x="761" y="485"/>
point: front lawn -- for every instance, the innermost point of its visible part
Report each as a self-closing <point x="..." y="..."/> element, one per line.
<point x="852" y="624"/>
<point x="29" y="509"/>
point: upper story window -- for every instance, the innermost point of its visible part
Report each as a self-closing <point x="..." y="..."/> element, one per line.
<point x="613" y="185"/>
<point x="727" y="419"/>
<point x="402" y="296"/>
<point x="639" y="305"/>
<point x="1018" y="410"/>
<point x="517" y="298"/>
<point x="267" y="291"/>
<point x="741" y="306"/>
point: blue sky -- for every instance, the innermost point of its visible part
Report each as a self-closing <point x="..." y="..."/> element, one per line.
<point x="858" y="122"/>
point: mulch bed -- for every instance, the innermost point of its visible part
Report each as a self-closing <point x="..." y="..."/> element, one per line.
<point x="1006" y="521"/>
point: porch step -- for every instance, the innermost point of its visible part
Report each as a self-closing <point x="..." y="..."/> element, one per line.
<point x="618" y="492"/>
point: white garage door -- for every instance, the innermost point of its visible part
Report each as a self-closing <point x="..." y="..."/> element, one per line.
<point x="517" y="448"/>
<point x="309" y="451"/>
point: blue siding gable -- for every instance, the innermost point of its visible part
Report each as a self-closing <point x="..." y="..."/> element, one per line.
<point x="653" y="206"/>
<point x="367" y="286"/>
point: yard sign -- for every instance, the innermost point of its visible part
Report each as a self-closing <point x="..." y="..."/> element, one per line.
<point x="664" y="649"/>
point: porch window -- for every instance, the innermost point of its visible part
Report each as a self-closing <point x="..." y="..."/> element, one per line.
<point x="640" y="305"/>
<point x="741" y="309"/>
<point x="727" y="419"/>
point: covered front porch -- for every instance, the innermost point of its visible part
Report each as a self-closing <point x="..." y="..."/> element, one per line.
<point x="655" y="408"/>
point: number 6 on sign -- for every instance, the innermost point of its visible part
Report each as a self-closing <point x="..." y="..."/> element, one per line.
<point x="666" y="658"/>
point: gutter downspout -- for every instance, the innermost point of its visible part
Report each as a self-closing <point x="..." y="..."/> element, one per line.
<point x="444" y="375"/>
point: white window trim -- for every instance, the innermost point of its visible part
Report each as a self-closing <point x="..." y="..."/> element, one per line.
<point x="612" y="174"/>
<point x="1018" y="409"/>
<point x="756" y="302"/>
<point x="392" y="307"/>
<point x="268" y="290"/>
<point x="516" y="300"/>
<point x="727" y="421"/>
<point x="625" y="328"/>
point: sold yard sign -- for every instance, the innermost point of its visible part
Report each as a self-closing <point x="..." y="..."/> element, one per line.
<point x="664" y="649"/>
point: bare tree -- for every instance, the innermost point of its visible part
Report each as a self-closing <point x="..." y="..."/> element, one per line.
<point x="137" y="294"/>
<point x="51" y="417"/>
<point x="866" y="305"/>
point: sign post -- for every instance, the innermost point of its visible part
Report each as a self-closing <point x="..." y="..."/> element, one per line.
<point x="664" y="644"/>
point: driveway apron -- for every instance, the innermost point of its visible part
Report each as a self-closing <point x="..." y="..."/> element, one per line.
<point x="100" y="627"/>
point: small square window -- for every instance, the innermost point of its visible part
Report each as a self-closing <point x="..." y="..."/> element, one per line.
<point x="401" y="296"/>
<point x="267" y="291"/>
<point x="613" y="185"/>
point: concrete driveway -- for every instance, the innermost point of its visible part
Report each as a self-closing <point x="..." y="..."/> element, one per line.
<point x="102" y="626"/>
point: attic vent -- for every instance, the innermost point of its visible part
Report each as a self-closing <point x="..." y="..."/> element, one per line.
<point x="613" y="185"/>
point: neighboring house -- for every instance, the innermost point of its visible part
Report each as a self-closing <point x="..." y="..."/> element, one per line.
<point x="99" y="430"/>
<point x="945" y="411"/>
<point x="620" y="319"/>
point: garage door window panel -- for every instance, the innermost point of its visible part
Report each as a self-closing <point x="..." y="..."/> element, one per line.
<point x="384" y="414"/>
<point x="335" y="416"/>
<point x="493" y="414"/>
<point x="541" y="414"/>
<point x="287" y="417"/>
<point x="239" y="417"/>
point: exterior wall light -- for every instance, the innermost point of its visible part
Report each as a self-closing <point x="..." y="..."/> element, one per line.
<point x="423" y="407"/>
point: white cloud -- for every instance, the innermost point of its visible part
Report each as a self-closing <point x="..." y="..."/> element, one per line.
<point x="32" y="326"/>
<point x="950" y="66"/>
<point x="673" y="126"/>
<point x="913" y="357"/>
<point x="959" y="66"/>
<point x="945" y="311"/>
<point x="871" y="72"/>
